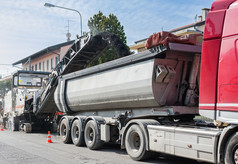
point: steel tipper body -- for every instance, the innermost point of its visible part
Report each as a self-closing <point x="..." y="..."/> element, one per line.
<point x="144" y="80"/>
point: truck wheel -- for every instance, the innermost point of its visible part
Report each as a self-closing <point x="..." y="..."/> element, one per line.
<point x="27" y="128"/>
<point x="77" y="133"/>
<point x="135" y="143"/>
<point x="15" y="124"/>
<point x="92" y="136"/>
<point x="231" y="153"/>
<point x="9" y="125"/>
<point x="65" y="131"/>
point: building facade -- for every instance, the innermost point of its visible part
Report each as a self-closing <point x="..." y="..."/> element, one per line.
<point x="46" y="59"/>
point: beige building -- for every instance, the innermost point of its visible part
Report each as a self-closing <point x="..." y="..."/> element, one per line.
<point x="46" y="59"/>
<point x="194" y="28"/>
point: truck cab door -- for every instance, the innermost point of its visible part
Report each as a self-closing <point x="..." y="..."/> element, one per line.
<point x="227" y="85"/>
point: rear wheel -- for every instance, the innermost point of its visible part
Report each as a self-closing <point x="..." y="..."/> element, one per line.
<point x="65" y="131"/>
<point x="27" y="128"/>
<point x="231" y="153"/>
<point x="92" y="136"/>
<point x="13" y="124"/>
<point x="136" y="144"/>
<point x="77" y="133"/>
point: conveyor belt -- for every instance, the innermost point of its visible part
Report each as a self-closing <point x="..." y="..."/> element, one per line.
<point x="83" y="51"/>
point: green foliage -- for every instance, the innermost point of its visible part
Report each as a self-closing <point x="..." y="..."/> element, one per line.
<point x="4" y="87"/>
<point x="100" y="23"/>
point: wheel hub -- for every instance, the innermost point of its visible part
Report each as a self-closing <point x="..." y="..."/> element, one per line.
<point x="75" y="133"/>
<point x="63" y="131"/>
<point x="135" y="141"/>
<point x="91" y="135"/>
<point x="236" y="156"/>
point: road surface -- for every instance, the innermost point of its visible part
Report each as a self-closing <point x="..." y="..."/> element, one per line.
<point x="19" y="147"/>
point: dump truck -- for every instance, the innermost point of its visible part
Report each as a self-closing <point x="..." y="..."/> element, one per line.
<point x="149" y="102"/>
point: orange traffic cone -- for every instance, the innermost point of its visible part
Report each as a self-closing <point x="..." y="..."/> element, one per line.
<point x="1" y="127"/>
<point x="49" y="138"/>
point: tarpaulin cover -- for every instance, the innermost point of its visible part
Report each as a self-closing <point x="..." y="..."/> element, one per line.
<point x="162" y="38"/>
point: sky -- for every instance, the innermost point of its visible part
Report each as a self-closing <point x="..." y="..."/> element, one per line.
<point x="26" y="26"/>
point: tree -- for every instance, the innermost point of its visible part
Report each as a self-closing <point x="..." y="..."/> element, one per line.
<point x="100" y="23"/>
<point x="4" y="87"/>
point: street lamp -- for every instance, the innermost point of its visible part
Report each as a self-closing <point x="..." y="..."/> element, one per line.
<point x="51" y="5"/>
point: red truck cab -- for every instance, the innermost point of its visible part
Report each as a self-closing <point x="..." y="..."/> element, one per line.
<point x="218" y="98"/>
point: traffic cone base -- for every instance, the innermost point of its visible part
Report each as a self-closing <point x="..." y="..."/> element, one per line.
<point x="49" y="138"/>
<point x="1" y="127"/>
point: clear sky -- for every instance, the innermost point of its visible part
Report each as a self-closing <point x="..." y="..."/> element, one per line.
<point x="27" y="26"/>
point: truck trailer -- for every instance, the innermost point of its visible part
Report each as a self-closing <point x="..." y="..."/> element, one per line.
<point x="148" y="102"/>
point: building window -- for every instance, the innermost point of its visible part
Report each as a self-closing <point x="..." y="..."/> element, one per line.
<point x="43" y="65"/>
<point x="26" y="68"/>
<point x="32" y="68"/>
<point x="47" y="65"/>
<point x="56" y="60"/>
<point x="51" y="63"/>
<point x="35" y="67"/>
<point x="40" y="66"/>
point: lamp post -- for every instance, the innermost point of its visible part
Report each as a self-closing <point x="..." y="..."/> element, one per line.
<point x="51" y="5"/>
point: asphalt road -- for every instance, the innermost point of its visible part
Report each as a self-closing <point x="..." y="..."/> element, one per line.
<point x="19" y="147"/>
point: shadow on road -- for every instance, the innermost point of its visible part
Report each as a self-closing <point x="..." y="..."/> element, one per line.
<point x="161" y="159"/>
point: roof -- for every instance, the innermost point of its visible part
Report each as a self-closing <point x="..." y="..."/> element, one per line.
<point x="31" y="72"/>
<point x="142" y="40"/>
<point x="187" y="26"/>
<point x="138" y="44"/>
<point x="43" y="52"/>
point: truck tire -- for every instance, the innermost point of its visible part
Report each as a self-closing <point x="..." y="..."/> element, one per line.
<point x="65" y="131"/>
<point x="27" y="128"/>
<point x="231" y="152"/>
<point x="92" y="136"/>
<point x="77" y="134"/>
<point x="13" y="124"/>
<point x="135" y="143"/>
<point x="9" y="125"/>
